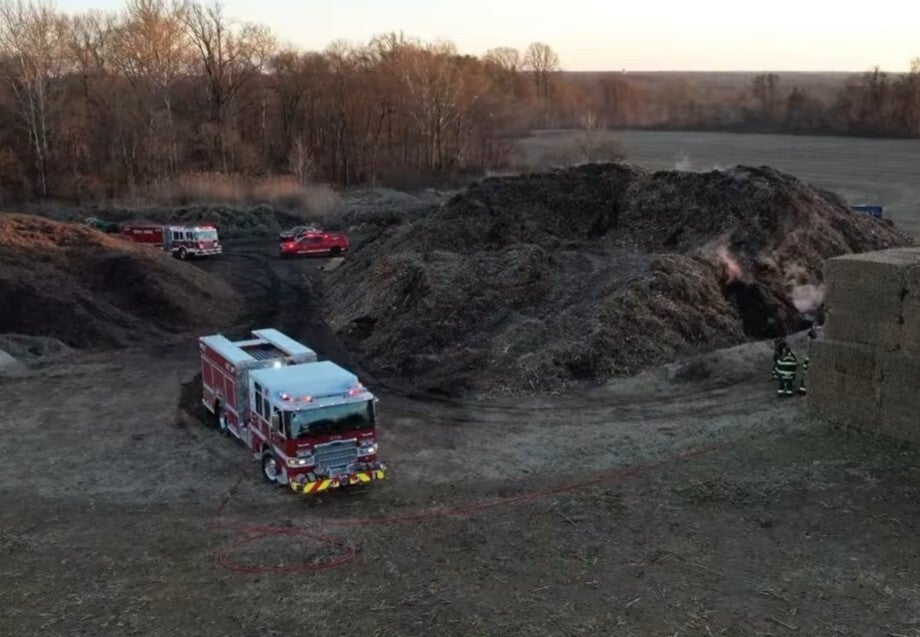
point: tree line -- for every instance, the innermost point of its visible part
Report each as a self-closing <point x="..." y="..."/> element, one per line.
<point x="874" y="103"/>
<point x="99" y="104"/>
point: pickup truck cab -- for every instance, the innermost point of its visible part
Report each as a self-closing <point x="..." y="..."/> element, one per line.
<point x="315" y="243"/>
<point x="296" y="232"/>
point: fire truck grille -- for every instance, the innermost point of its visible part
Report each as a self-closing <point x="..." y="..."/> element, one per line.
<point x="336" y="456"/>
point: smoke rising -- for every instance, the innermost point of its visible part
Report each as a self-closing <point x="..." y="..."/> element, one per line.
<point x="718" y="250"/>
<point x="683" y="163"/>
<point x="807" y="299"/>
<point x="729" y="264"/>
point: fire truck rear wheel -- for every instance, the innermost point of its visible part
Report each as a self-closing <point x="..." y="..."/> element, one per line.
<point x="270" y="468"/>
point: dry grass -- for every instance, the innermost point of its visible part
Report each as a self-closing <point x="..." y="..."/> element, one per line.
<point x="308" y="200"/>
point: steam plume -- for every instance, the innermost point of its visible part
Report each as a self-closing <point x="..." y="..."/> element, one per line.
<point x="807" y="298"/>
<point x="729" y="264"/>
<point x="683" y="163"/>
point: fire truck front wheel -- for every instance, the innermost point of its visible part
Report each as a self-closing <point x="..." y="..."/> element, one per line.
<point x="270" y="468"/>
<point x="183" y="254"/>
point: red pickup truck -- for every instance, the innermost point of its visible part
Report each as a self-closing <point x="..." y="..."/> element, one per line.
<point x="315" y="243"/>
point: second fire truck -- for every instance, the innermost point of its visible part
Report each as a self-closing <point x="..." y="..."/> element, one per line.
<point x="183" y="242"/>
<point x="310" y="424"/>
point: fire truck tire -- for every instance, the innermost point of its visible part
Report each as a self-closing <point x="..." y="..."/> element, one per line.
<point x="270" y="468"/>
<point x="183" y="254"/>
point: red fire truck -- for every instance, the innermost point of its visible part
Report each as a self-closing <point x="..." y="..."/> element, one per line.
<point x="311" y="424"/>
<point x="183" y="242"/>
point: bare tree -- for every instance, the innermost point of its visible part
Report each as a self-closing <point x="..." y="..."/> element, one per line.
<point x="152" y="50"/>
<point x="589" y="139"/>
<point x="504" y="64"/>
<point x="542" y="61"/>
<point x="33" y="39"/>
<point x="384" y="48"/>
<point x="765" y="89"/>
<point x="505" y="58"/>
<point x="342" y="57"/>
<point x="91" y="41"/>
<point x="300" y="161"/>
<point x="289" y="83"/>
<point x="432" y="78"/>
<point x="92" y="124"/>
<point x="230" y="56"/>
<point x="908" y="92"/>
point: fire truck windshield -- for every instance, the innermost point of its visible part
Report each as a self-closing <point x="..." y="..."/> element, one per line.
<point x="206" y="235"/>
<point x="329" y="420"/>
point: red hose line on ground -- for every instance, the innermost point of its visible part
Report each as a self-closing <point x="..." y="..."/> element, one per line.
<point x="346" y="551"/>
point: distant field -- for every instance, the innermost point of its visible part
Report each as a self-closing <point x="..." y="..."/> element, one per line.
<point x="871" y="171"/>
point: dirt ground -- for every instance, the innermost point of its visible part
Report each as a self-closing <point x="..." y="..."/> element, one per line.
<point x="686" y="501"/>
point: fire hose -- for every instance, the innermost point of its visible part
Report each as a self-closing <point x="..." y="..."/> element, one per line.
<point x="345" y="551"/>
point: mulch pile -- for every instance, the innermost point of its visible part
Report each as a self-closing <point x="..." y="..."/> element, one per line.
<point x="89" y="289"/>
<point x="535" y="282"/>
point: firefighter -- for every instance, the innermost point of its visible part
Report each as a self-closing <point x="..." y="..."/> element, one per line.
<point x="786" y="366"/>
<point x="812" y="335"/>
<point x="778" y="345"/>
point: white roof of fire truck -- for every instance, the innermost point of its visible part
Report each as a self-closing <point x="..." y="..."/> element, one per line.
<point x="165" y="226"/>
<point x="191" y="228"/>
<point x="311" y="385"/>
<point x="264" y="345"/>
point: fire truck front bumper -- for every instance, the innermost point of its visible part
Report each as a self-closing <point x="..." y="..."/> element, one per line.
<point x="311" y="485"/>
<point x="208" y="252"/>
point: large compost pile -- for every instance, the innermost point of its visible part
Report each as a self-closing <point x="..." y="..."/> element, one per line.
<point x="535" y="282"/>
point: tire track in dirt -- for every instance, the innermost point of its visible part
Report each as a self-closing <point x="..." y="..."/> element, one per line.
<point x="282" y="294"/>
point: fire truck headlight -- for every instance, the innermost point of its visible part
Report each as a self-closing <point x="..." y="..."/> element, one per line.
<point x="299" y="462"/>
<point x="367" y="449"/>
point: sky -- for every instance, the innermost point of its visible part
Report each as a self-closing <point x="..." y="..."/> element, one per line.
<point x="597" y="35"/>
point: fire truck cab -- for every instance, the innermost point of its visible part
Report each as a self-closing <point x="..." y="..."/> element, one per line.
<point x="186" y="242"/>
<point x="310" y="424"/>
